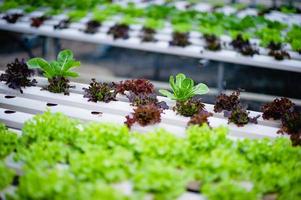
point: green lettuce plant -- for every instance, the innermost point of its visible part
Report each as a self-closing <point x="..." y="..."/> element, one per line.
<point x="57" y="71"/>
<point x="65" y="159"/>
<point x="162" y="181"/>
<point x="183" y="88"/>
<point x="6" y="176"/>
<point x="8" y="141"/>
<point x="76" y="15"/>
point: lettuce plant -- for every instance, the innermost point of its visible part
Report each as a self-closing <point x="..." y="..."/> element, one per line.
<point x="6" y="176"/>
<point x="137" y="86"/>
<point x="144" y="115"/>
<point x="100" y="92"/>
<point x="57" y="71"/>
<point x="211" y="34"/>
<point x="149" y="29"/>
<point x="200" y="118"/>
<point x="225" y="102"/>
<point x="8" y="141"/>
<point x="162" y="181"/>
<point x="180" y="35"/>
<point x="63" y="24"/>
<point x="228" y="190"/>
<point x="189" y="107"/>
<point x="276" y="109"/>
<point x="291" y="124"/>
<point x="76" y="15"/>
<point x="145" y="99"/>
<point x="183" y="88"/>
<point x="241" y="43"/>
<point x="17" y="75"/>
<point x="92" y="26"/>
<point x="12" y="18"/>
<point x="38" y="21"/>
<point x="240" y="116"/>
<point x="293" y="36"/>
<point x="121" y="29"/>
<point x="65" y="159"/>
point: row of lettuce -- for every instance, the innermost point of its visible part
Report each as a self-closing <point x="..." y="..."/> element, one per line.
<point x="60" y="158"/>
<point x="273" y="35"/>
<point x="142" y="95"/>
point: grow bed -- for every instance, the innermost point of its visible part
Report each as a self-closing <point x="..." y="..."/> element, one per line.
<point x="34" y="100"/>
<point x="195" y="46"/>
<point x="152" y="178"/>
<point x="147" y="151"/>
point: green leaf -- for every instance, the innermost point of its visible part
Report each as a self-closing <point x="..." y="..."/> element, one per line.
<point x="35" y="63"/>
<point x="167" y="94"/>
<point x="172" y="84"/>
<point x="200" y="89"/>
<point x="42" y="64"/>
<point x="56" y="66"/>
<point x="65" y="55"/>
<point x="187" y="84"/>
<point x="179" y="78"/>
<point x="70" y="74"/>
<point x="70" y="64"/>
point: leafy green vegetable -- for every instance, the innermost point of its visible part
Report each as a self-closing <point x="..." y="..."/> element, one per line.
<point x="57" y="71"/>
<point x="8" y="141"/>
<point x="6" y="176"/>
<point x="182" y="27"/>
<point x="65" y="159"/>
<point x="153" y="24"/>
<point x="183" y="88"/>
<point x="157" y="178"/>
<point x="228" y="190"/>
<point x="76" y="15"/>
<point x="58" y="68"/>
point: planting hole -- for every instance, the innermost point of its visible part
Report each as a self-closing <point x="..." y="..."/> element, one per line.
<point x="51" y="104"/>
<point x="193" y="186"/>
<point x="9" y="111"/>
<point x="9" y="97"/>
<point x="96" y="113"/>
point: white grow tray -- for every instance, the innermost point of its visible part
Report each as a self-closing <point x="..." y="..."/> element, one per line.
<point x="34" y="101"/>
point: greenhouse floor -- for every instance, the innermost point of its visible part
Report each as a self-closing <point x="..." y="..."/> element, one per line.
<point x="112" y="63"/>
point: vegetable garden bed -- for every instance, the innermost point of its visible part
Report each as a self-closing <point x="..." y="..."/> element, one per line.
<point x="99" y="27"/>
<point x="171" y="148"/>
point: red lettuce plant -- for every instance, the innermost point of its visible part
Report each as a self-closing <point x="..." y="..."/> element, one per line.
<point x="137" y="86"/>
<point x="144" y="115"/>
<point x="100" y="92"/>
<point x="291" y="124"/>
<point x="225" y="102"/>
<point x="200" y="118"/>
<point x="144" y="99"/>
<point x="276" y="109"/>
<point x="148" y="35"/>
<point x="240" y="116"/>
<point x="63" y="24"/>
<point x="17" y="75"/>
<point x="189" y="107"/>
<point x="180" y="39"/>
<point x="243" y="45"/>
<point x="213" y="43"/>
<point x="277" y="52"/>
<point x="92" y="26"/>
<point x="119" y="31"/>
<point x="38" y="21"/>
<point x="12" y="18"/>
